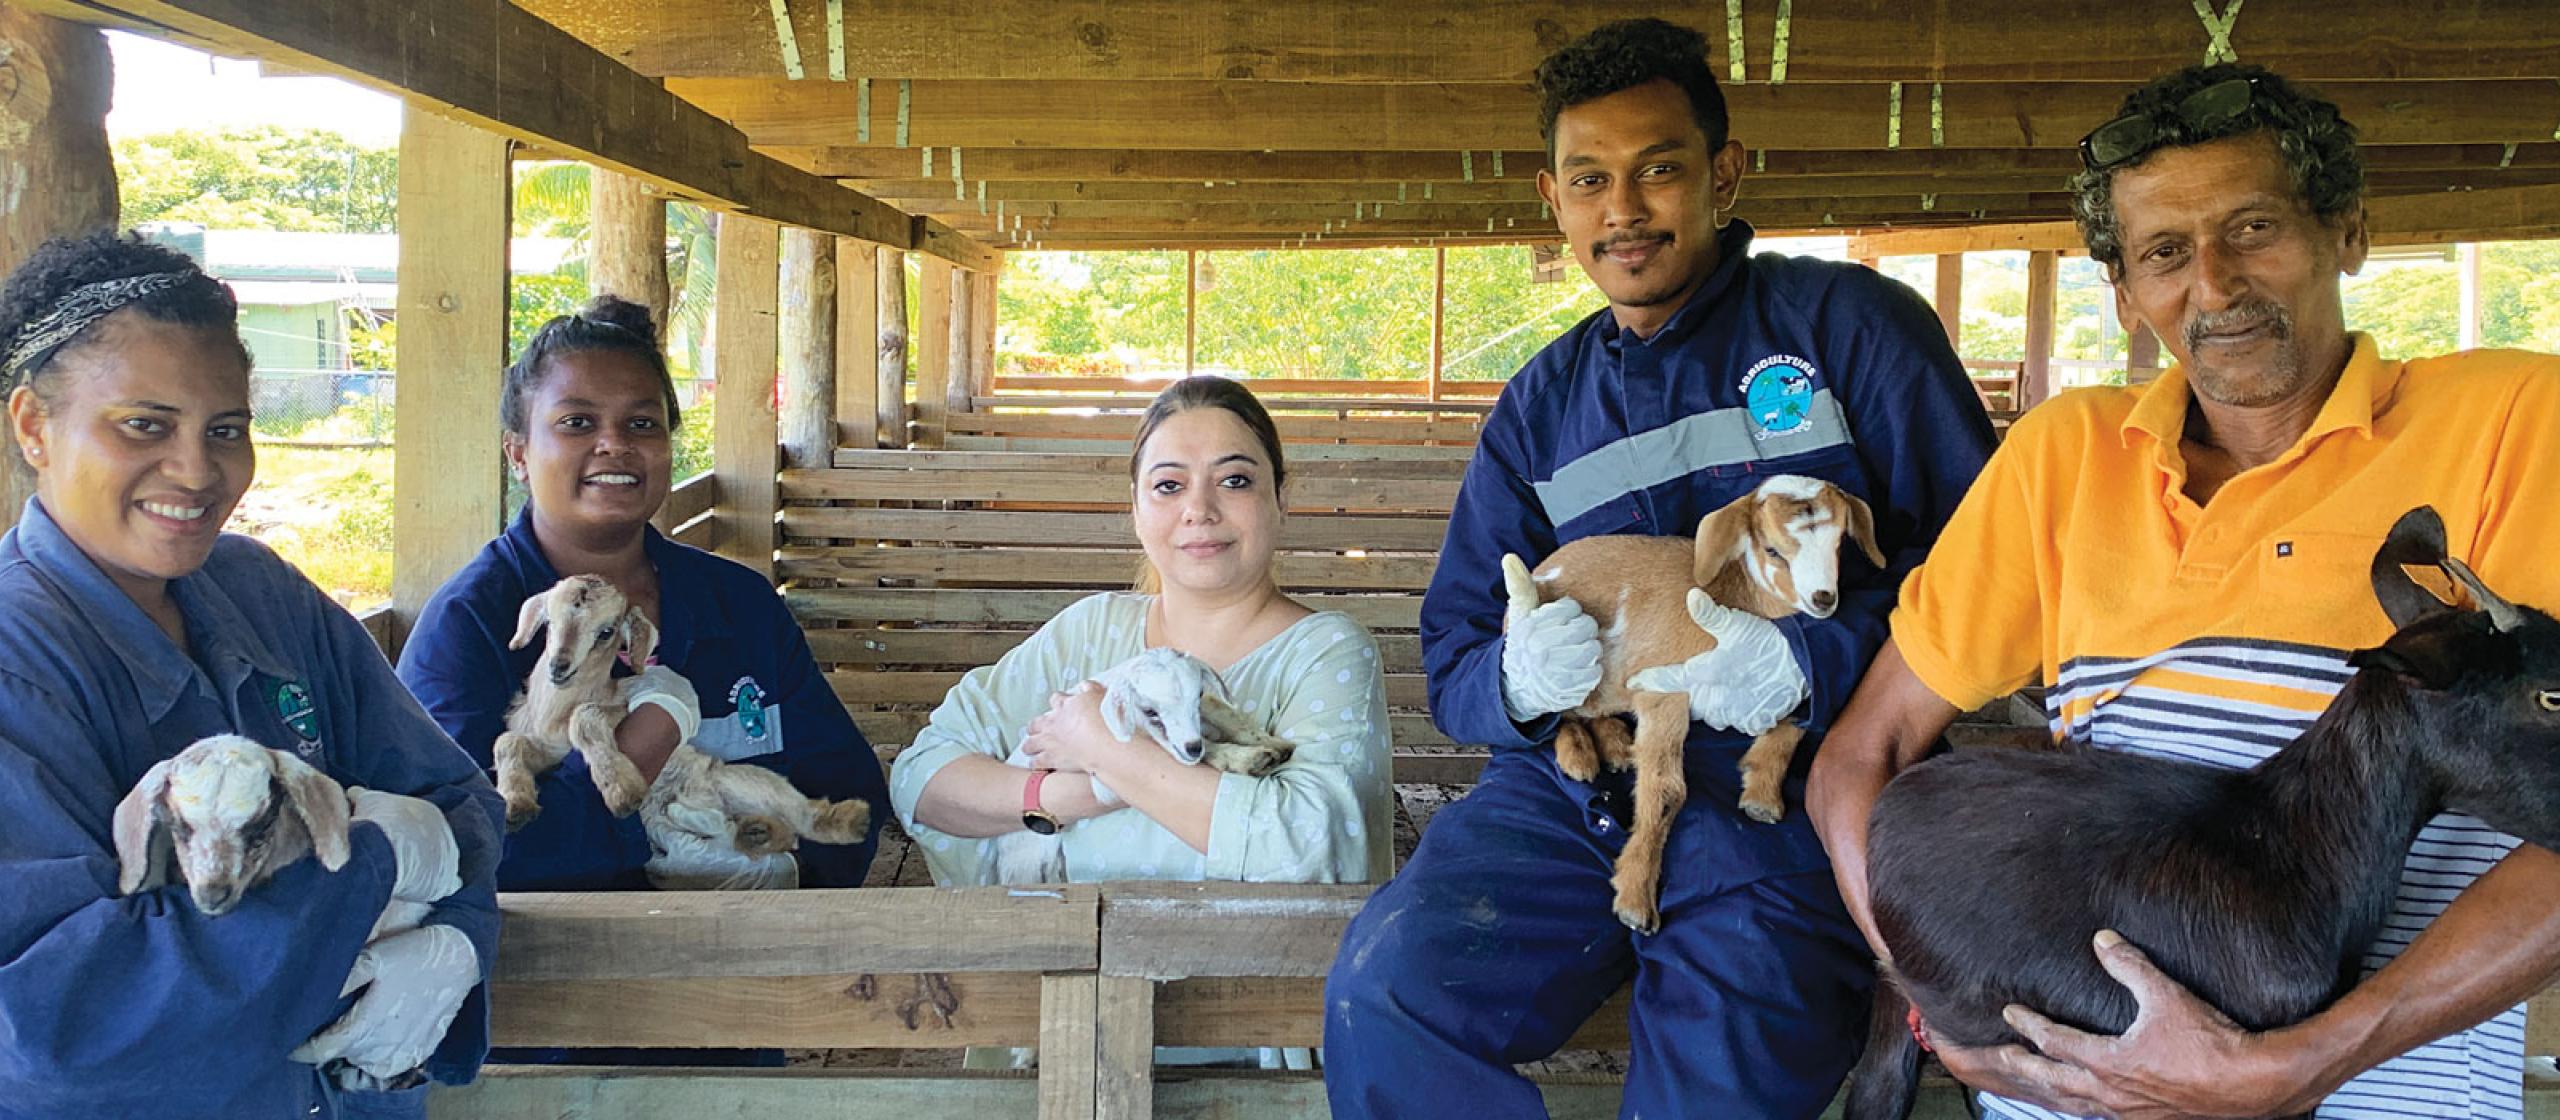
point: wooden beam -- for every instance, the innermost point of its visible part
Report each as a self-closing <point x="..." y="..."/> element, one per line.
<point x="2035" y="381"/>
<point x="1190" y="312"/>
<point x="57" y="176"/>
<point x="447" y="496"/>
<point x="2517" y="213"/>
<point x="894" y="1010"/>
<point x="1176" y="167"/>
<point x="1257" y="116"/>
<point x="807" y="422"/>
<point x="1452" y="41"/>
<point x="743" y="429"/>
<point x="858" y="342"/>
<point x="1176" y="930"/>
<point x="713" y="934"/>
<point x="982" y="335"/>
<point x="627" y="242"/>
<point x="893" y="348"/>
<point x="1439" y="316"/>
<point x="1992" y="238"/>
<point x="509" y="72"/>
<point x="959" y="381"/>
<point x="964" y="216"/>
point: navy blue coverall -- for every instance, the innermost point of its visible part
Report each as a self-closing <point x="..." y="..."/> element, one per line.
<point x="1496" y="940"/>
<point x="132" y="1006"/>
<point x="764" y="702"/>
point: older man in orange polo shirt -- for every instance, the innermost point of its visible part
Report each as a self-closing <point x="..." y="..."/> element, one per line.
<point x="2184" y="566"/>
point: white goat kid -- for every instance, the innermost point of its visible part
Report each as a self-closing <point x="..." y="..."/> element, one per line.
<point x="715" y="826"/>
<point x="570" y="701"/>
<point x="223" y="816"/>
<point x="1182" y="704"/>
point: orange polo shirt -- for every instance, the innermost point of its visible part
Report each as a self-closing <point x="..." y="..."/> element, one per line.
<point x="2216" y="633"/>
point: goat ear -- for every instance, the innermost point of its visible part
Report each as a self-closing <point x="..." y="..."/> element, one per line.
<point x="139" y="832"/>
<point x="1720" y="536"/>
<point x="2416" y="541"/>
<point x="2433" y="653"/>
<point x="639" y="637"/>
<point x="1862" y="527"/>
<point x="530" y="618"/>
<point x="321" y="803"/>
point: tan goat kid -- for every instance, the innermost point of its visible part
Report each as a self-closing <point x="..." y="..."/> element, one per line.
<point x="1772" y="553"/>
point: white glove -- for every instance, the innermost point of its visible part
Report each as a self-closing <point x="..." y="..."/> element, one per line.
<point x="1747" y="683"/>
<point x="413" y="984"/>
<point x="667" y="690"/>
<point x="422" y="848"/>
<point x="1550" y="659"/>
<point x="692" y="850"/>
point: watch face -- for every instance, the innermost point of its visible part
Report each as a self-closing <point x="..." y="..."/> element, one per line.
<point x="1041" y="824"/>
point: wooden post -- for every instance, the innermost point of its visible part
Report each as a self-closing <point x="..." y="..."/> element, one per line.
<point x="448" y="494"/>
<point x="1951" y="298"/>
<point x="2035" y="380"/>
<point x="2141" y="354"/>
<point x="808" y="342"/>
<point x="1439" y="315"/>
<point x="743" y="422"/>
<point x="933" y="350"/>
<point x="57" y="176"/>
<point x="964" y="308"/>
<point x="893" y="348"/>
<point x="1873" y="263"/>
<point x="2467" y="328"/>
<point x="1190" y="311"/>
<point x="1124" y="1044"/>
<point x="1067" y="1045"/>
<point x="629" y="241"/>
<point x="857" y="343"/>
<point x="982" y="344"/>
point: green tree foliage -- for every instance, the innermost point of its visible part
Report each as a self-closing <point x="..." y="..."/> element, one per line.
<point x="1335" y="314"/>
<point x="259" y="178"/>
<point x="1497" y="315"/>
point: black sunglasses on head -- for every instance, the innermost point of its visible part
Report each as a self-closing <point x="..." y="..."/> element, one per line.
<point x="2125" y="137"/>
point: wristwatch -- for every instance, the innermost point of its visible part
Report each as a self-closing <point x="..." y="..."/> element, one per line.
<point x="1034" y="817"/>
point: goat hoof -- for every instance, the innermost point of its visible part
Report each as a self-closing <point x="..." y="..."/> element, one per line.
<point x="520" y="815"/>
<point x="1641" y="920"/>
<point x="1579" y="767"/>
<point x="1765" y="812"/>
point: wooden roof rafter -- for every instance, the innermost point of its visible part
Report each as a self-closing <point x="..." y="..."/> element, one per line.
<point x="511" y="73"/>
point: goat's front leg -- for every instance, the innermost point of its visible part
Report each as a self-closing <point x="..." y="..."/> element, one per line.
<point x="591" y="731"/>
<point x="515" y="758"/>
<point x="1662" y="732"/>
<point x="1764" y="771"/>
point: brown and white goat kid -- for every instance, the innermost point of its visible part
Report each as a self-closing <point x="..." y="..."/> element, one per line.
<point x="1772" y="552"/>
<point x="226" y="814"/>
<point x="571" y="701"/>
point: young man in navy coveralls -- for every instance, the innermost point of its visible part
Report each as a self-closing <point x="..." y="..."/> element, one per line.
<point x="1710" y="371"/>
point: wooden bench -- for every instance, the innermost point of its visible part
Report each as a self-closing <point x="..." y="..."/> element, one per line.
<point x="1096" y="976"/>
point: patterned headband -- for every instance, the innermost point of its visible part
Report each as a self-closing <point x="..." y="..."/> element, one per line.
<point x="77" y="311"/>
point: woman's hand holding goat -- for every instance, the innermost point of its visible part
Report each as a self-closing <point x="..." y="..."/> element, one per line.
<point x="2151" y="1071"/>
<point x="1071" y="737"/>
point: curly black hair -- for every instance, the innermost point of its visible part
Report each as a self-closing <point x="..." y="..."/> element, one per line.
<point x="66" y="263"/>
<point x="609" y="323"/>
<point x="2318" y="147"/>
<point x="1624" y="55"/>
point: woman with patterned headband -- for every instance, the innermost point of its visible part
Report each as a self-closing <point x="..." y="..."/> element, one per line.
<point x="130" y="627"/>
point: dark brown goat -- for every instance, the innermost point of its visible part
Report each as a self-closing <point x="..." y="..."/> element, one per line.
<point x="2258" y="889"/>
